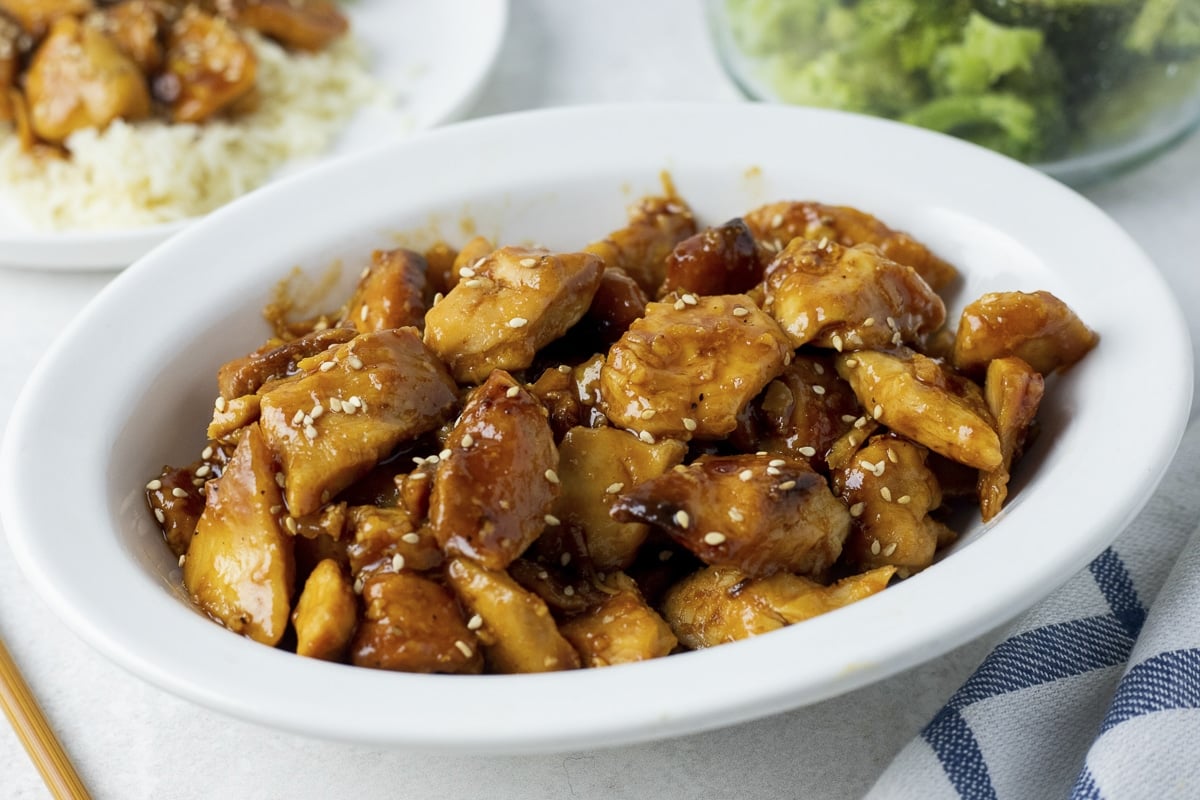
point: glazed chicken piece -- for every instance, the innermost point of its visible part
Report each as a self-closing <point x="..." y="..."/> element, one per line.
<point x="617" y="304"/>
<point x="78" y="78"/>
<point x="722" y="604"/>
<point x="621" y="629"/>
<point x="758" y="513"/>
<point x="37" y="16"/>
<point x="411" y="624"/>
<point x="497" y="483"/>
<point x="848" y="298"/>
<point x="390" y="293"/>
<point x="689" y="368"/>
<point x="925" y="401"/>
<point x="780" y="223"/>
<point x="177" y="504"/>
<point x="230" y="416"/>
<point x="512" y="304"/>
<point x="656" y="225"/>
<point x="804" y="411"/>
<point x="595" y="464"/>
<point x="1036" y="327"/>
<point x="326" y="613"/>
<point x="209" y="67"/>
<point x="275" y="360"/>
<point x="721" y="260"/>
<point x="134" y="26"/>
<point x="890" y="493"/>
<point x="389" y="539"/>
<point x="330" y="425"/>
<point x="1013" y="391"/>
<point x="514" y="625"/>
<point x="240" y="567"/>
<point x="10" y="63"/>
<point x="300" y="24"/>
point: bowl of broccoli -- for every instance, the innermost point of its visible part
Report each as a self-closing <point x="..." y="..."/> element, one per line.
<point x="1079" y="88"/>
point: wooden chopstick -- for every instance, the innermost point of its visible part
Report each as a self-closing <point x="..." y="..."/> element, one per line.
<point x="34" y="732"/>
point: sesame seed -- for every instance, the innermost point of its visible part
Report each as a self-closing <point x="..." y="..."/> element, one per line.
<point x="736" y="515"/>
<point x="207" y="453"/>
<point x="411" y="538"/>
<point x="349" y="408"/>
<point x="690" y="299"/>
<point x="745" y="475"/>
<point x="183" y="559"/>
<point x="397" y="562"/>
<point x="471" y="284"/>
<point x="856" y="510"/>
<point x="543" y="575"/>
<point x="289" y="522"/>
<point x="418" y="476"/>
<point x="464" y="648"/>
<point x="275" y="509"/>
<point x="848" y="418"/>
<point x="355" y="362"/>
<point x="475" y="622"/>
<point x="613" y="488"/>
<point x="821" y="245"/>
<point x="877" y="412"/>
<point x="776" y="462"/>
<point x="648" y="413"/>
<point x="220" y="403"/>
<point x="160" y="516"/>
<point x="280" y="480"/>
<point x="298" y="417"/>
<point x="197" y="482"/>
<point x="904" y="500"/>
<point x="787" y="486"/>
<point x="773" y="471"/>
<point x="867" y="465"/>
<point x="564" y="559"/>
<point x="358" y="585"/>
<point x="569" y="591"/>
<point x="776" y="220"/>
<point x="837" y="343"/>
<point x="665" y="555"/>
<point x="551" y="519"/>
<point x="818" y="390"/>
<point x="518" y="322"/>
<point x="467" y="272"/>
<point x="851" y="362"/>
<point x="891" y="454"/>
<point x="740" y="312"/>
<point x="897" y="338"/>
<point x="679" y="468"/>
<point x="438" y="297"/>
<point x="444" y="454"/>
<point x="646" y="437"/>
<point x="714" y="538"/>
<point x="479" y="262"/>
<point x="468" y="440"/>
<point x="154" y="485"/>
<point x="328" y="365"/>
<point x="861" y="422"/>
<point x="808" y="452"/>
<point x="874" y="547"/>
<point x="891" y="548"/>
<point x="868" y="322"/>
<point x="433" y="459"/>
<point x="551" y="476"/>
<point x="362" y="315"/>
<point x="418" y="460"/>
<point x="679" y="305"/>
<point x="886" y="494"/>
<point x="891" y="322"/>
<point x="682" y="519"/>
<point x="177" y="492"/>
<point x="689" y="423"/>
<point x="317" y="411"/>
<point x="528" y="262"/>
<point x="310" y="432"/>
<point x="513" y="391"/>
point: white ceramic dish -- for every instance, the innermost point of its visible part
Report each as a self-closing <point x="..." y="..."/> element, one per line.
<point x="127" y="387"/>
<point x="435" y="56"/>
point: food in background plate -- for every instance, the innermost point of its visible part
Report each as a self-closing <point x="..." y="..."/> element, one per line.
<point x="508" y="459"/>
<point x="117" y="115"/>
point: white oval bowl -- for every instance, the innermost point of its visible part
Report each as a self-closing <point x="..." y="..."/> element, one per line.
<point x="128" y="387"/>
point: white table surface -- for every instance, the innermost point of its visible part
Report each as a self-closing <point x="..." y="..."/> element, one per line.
<point x="131" y="740"/>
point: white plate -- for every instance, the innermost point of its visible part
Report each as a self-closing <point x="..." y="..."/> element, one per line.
<point x="435" y="55"/>
<point x="128" y="386"/>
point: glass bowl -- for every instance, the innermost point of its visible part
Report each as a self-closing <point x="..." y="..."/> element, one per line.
<point x="1081" y="89"/>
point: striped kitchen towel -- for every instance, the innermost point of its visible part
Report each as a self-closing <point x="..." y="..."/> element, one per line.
<point x="1096" y="692"/>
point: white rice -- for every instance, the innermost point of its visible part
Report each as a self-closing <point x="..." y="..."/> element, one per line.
<point x="136" y="174"/>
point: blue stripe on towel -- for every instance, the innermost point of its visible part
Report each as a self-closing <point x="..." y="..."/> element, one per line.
<point x="1163" y="682"/>
<point x="1036" y="657"/>
<point x="1085" y="787"/>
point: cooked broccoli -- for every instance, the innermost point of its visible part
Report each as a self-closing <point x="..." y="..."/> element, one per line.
<point x="1000" y="121"/>
<point x="986" y="53"/>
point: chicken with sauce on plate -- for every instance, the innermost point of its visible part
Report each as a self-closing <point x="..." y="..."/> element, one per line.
<point x="509" y="459"/>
